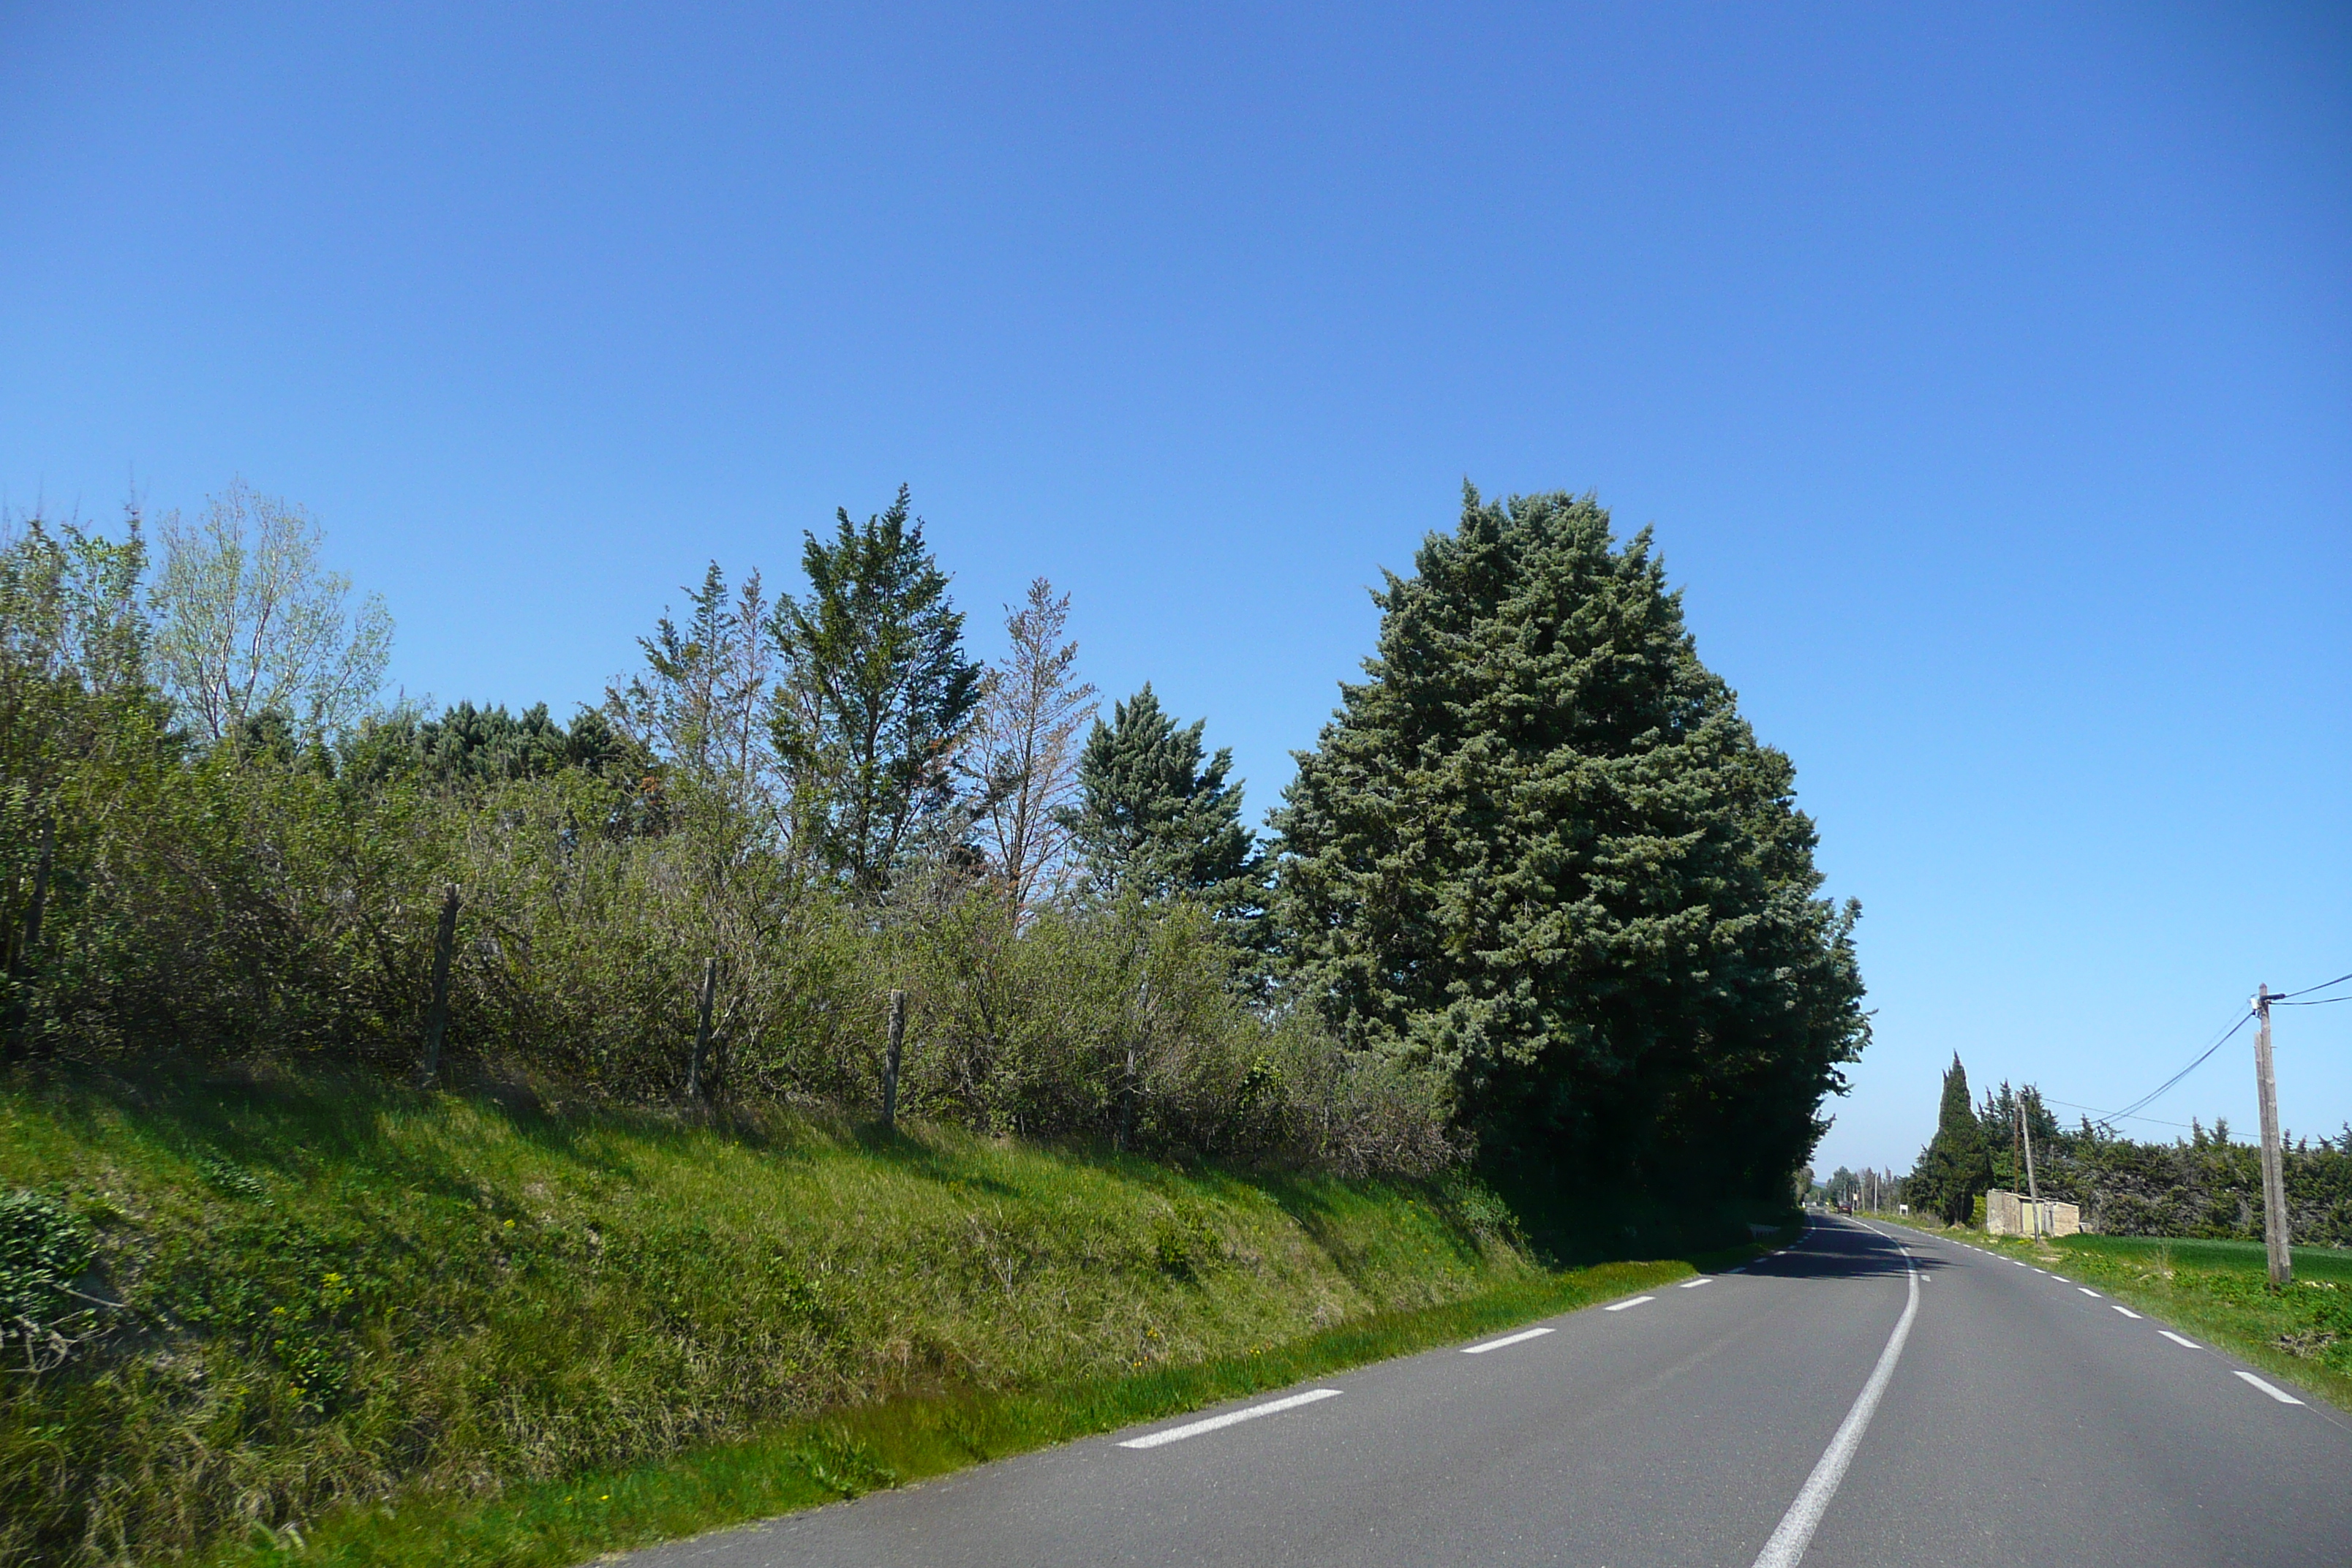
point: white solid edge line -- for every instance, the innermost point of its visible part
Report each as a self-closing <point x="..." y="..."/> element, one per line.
<point x="2127" y="1311"/>
<point x="1154" y="1440"/>
<point x="1620" y="1306"/>
<point x="1787" y="1547"/>
<point x="1694" y="1284"/>
<point x="2176" y="1339"/>
<point x="1506" y="1340"/>
<point x="2280" y="1394"/>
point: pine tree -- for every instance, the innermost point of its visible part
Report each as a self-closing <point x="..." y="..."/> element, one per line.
<point x="1956" y="1165"/>
<point x="876" y="697"/>
<point x="1154" y="818"/>
<point x="1539" y="849"/>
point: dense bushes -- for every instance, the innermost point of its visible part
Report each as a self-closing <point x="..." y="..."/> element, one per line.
<point x="274" y="894"/>
<point x="2205" y="1185"/>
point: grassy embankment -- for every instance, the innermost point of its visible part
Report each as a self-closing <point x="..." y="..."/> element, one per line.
<point x="367" y="1326"/>
<point x="2220" y="1289"/>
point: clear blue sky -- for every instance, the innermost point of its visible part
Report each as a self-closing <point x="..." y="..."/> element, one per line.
<point x="1986" y="372"/>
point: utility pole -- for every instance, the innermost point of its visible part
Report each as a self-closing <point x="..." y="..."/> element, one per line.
<point x="2032" y="1187"/>
<point x="2275" y="1236"/>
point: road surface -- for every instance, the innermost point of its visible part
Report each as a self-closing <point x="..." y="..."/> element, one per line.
<point x="1867" y="1397"/>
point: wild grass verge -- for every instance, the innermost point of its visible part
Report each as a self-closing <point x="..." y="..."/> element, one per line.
<point x="324" y="1297"/>
<point x="906" y="1439"/>
<point x="2218" y="1290"/>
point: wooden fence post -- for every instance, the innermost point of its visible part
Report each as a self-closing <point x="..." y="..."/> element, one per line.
<point x="20" y="1015"/>
<point x="436" y="1016"/>
<point x="890" y="1059"/>
<point x="702" y="1028"/>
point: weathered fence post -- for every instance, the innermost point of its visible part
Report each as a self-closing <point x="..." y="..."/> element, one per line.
<point x="436" y="1016"/>
<point x="702" y="1028"/>
<point x="20" y="1017"/>
<point x="890" y="1059"/>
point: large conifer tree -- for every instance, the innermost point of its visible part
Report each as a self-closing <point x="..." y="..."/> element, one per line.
<point x="1539" y="847"/>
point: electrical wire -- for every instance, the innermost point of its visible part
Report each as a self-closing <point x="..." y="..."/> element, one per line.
<point x="2152" y="1096"/>
<point x="2309" y="989"/>
<point x="2131" y="1112"/>
<point x="2094" y="1110"/>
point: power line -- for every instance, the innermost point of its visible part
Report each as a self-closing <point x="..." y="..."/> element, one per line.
<point x="2152" y="1096"/>
<point x="2159" y="1121"/>
<point x="2131" y="1112"/>
<point x="2308" y="989"/>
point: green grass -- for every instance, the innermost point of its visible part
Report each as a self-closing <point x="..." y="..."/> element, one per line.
<point x="481" y="1331"/>
<point x="2218" y="1290"/>
<point x="888" y="1444"/>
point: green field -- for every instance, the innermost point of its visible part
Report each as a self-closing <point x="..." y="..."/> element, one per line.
<point x="476" y="1329"/>
<point x="2332" y="1263"/>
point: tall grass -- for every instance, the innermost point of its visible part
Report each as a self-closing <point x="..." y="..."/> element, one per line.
<point x="333" y="1290"/>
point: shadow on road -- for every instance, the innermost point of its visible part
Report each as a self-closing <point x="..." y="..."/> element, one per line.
<point x="1837" y="1251"/>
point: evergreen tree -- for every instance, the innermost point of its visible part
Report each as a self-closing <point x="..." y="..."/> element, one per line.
<point x="1540" y="849"/>
<point x="1154" y="818"/>
<point x="875" y="697"/>
<point x="1956" y="1165"/>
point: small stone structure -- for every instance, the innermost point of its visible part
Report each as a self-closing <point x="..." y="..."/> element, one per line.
<point x="2010" y="1214"/>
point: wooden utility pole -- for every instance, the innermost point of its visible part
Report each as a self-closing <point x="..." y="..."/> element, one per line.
<point x="890" y="1059"/>
<point x="436" y="1015"/>
<point x="702" y="1028"/>
<point x="2275" y="1236"/>
<point x="2032" y="1187"/>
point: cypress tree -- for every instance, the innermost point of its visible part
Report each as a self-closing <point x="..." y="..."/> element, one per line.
<point x="1956" y="1165"/>
<point x="1539" y="849"/>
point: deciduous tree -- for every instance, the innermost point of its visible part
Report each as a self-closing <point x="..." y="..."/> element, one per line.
<point x="251" y="621"/>
<point x="1031" y="711"/>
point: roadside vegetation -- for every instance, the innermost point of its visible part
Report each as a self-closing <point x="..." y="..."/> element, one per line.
<point x="405" y="1104"/>
<point x="331" y="1290"/>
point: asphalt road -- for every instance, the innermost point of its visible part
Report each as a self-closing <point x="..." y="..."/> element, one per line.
<point x="1865" y="1397"/>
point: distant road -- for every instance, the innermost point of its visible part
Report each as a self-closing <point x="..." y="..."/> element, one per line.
<point x="1867" y="1399"/>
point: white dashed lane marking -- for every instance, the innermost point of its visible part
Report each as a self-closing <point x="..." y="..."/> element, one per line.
<point x="2127" y="1311"/>
<point x="2280" y="1394"/>
<point x="1523" y="1334"/>
<point x="2176" y="1339"/>
<point x="1230" y="1417"/>
<point x="1620" y="1306"/>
